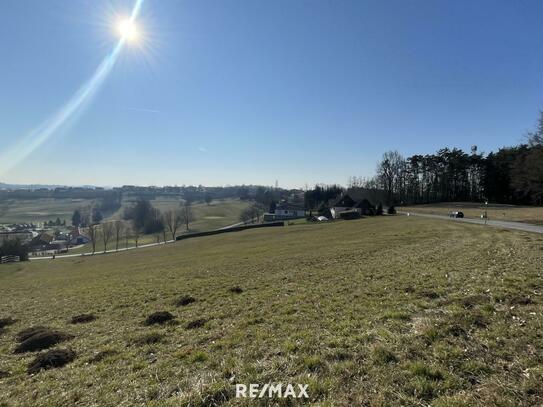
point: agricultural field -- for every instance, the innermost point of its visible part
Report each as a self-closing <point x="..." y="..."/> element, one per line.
<point x="218" y="214"/>
<point x="526" y="214"/>
<point x="39" y="210"/>
<point x="377" y="311"/>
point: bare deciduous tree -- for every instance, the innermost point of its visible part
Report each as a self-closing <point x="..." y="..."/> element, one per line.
<point x="127" y="234"/>
<point x="136" y="231"/>
<point x="92" y="232"/>
<point x="389" y="172"/>
<point x="173" y="219"/>
<point x="108" y="230"/>
<point x="252" y="213"/>
<point x="119" y="227"/>
<point x="186" y="210"/>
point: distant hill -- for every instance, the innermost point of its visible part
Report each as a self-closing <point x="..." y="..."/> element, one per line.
<point x="37" y="186"/>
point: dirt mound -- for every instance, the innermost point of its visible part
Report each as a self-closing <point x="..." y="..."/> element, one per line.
<point x="51" y="359"/>
<point x="81" y="319"/>
<point x="148" y="339"/>
<point x="185" y="300"/>
<point x="40" y="339"/>
<point x="160" y="317"/>
<point x="236" y="289"/>
<point x="6" y="321"/>
<point x="28" y="332"/>
<point x="196" y="324"/>
<point x="521" y="300"/>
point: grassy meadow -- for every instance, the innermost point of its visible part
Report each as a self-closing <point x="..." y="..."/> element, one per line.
<point x="218" y="214"/>
<point x="376" y="311"/>
<point x="526" y="214"/>
<point x="39" y="210"/>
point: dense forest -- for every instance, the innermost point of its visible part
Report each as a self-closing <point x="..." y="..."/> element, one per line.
<point x="512" y="175"/>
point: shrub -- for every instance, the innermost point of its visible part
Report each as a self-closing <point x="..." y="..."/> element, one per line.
<point x="14" y="248"/>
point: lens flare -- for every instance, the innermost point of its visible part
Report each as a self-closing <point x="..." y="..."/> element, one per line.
<point x="14" y="155"/>
<point x="128" y="30"/>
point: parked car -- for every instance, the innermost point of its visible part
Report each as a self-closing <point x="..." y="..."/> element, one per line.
<point x="457" y="214"/>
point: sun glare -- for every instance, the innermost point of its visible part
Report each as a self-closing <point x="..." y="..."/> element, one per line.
<point x="128" y="30"/>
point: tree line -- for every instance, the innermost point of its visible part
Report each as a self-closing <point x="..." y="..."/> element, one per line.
<point x="512" y="175"/>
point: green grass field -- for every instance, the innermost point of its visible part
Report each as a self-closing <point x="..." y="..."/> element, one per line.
<point x="376" y="311"/>
<point x="218" y="214"/>
<point x="206" y="217"/>
<point x="39" y="210"/>
<point x="527" y="214"/>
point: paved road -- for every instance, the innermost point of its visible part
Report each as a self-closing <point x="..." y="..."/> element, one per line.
<point x="526" y="227"/>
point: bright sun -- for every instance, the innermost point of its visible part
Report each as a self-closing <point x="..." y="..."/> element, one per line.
<point x="128" y="30"/>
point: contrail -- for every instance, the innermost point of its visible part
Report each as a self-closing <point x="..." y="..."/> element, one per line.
<point x="15" y="154"/>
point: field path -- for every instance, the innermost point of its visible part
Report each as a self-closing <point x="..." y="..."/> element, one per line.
<point x="526" y="227"/>
<point x="65" y="256"/>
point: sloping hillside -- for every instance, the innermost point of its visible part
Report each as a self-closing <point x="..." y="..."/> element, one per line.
<point x="383" y="310"/>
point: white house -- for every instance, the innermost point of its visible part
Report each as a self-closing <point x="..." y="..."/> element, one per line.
<point x="289" y="211"/>
<point x="285" y="211"/>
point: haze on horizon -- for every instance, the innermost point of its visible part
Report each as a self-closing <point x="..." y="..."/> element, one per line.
<point x="249" y="92"/>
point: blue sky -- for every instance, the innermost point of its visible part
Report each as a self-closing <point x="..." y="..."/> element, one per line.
<point x="250" y="91"/>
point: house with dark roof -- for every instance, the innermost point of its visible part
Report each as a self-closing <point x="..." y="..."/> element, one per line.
<point x="355" y="200"/>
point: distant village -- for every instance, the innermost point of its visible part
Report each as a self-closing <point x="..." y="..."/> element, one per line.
<point x="268" y="204"/>
<point x="44" y="240"/>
